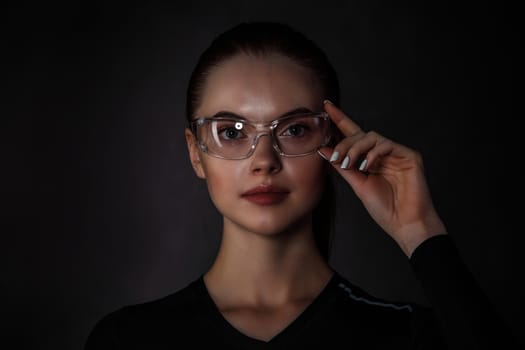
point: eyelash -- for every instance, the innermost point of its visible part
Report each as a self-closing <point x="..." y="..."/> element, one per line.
<point x="222" y="131"/>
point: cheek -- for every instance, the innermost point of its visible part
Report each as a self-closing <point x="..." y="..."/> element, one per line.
<point x="220" y="179"/>
<point x="309" y="174"/>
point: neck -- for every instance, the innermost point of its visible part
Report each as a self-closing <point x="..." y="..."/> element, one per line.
<point x="268" y="269"/>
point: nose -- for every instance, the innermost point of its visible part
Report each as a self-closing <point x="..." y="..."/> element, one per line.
<point x="265" y="160"/>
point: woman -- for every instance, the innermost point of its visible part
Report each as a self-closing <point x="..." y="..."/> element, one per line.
<point x="265" y="136"/>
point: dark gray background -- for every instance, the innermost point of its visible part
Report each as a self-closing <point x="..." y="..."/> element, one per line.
<point x="101" y="207"/>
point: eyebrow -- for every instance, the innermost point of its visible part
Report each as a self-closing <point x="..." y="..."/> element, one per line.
<point x="299" y="110"/>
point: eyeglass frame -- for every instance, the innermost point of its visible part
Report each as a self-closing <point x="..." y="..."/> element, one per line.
<point x="272" y="125"/>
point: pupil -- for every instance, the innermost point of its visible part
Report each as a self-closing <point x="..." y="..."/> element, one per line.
<point x="231" y="133"/>
<point x="295" y="130"/>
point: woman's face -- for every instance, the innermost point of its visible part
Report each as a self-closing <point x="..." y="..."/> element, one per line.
<point x="261" y="89"/>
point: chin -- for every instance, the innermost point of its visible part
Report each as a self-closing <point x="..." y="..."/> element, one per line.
<point x="272" y="226"/>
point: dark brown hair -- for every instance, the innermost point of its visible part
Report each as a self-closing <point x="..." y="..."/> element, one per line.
<point x="260" y="39"/>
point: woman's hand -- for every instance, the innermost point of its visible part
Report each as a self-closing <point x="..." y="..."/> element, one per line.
<point x="388" y="178"/>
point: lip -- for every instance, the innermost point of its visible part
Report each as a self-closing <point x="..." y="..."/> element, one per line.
<point x="266" y="194"/>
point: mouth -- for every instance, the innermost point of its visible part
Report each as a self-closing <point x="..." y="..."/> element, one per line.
<point x="266" y="195"/>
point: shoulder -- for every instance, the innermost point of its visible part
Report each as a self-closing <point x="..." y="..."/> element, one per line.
<point x="355" y="302"/>
<point x="383" y="320"/>
<point x="144" y="320"/>
<point x="356" y="297"/>
<point x="173" y="306"/>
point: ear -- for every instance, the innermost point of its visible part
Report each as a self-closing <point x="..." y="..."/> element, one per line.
<point x="194" y="153"/>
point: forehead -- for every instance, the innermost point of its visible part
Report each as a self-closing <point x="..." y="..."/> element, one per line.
<point x="260" y="88"/>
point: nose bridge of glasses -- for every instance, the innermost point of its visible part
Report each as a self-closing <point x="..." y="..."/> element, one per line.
<point x="262" y="128"/>
<point x="256" y="130"/>
<point x="258" y="136"/>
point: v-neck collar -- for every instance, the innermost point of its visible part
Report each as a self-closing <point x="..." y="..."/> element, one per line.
<point x="228" y="331"/>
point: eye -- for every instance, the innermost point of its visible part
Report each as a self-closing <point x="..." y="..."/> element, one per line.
<point x="295" y="130"/>
<point x="230" y="133"/>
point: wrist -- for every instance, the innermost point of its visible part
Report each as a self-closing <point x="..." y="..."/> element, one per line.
<point x="410" y="245"/>
<point x="415" y="234"/>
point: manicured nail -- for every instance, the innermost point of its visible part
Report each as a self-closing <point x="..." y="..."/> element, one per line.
<point x="334" y="157"/>
<point x="363" y="165"/>
<point x="345" y="162"/>
<point x="322" y="155"/>
<point x="327" y="101"/>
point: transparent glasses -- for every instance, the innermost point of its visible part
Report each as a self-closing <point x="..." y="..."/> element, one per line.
<point x="234" y="138"/>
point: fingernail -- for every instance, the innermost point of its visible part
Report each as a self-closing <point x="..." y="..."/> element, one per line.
<point x="327" y="101"/>
<point x="334" y="157"/>
<point x="345" y="162"/>
<point x="322" y="155"/>
<point x="363" y="165"/>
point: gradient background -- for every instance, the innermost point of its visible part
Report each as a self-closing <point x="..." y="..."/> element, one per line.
<point x="101" y="207"/>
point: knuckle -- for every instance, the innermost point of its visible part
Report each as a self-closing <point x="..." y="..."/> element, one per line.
<point x="418" y="156"/>
<point x="384" y="142"/>
<point x="373" y="134"/>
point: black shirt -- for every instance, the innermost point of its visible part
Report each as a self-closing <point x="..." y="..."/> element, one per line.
<point x="342" y="316"/>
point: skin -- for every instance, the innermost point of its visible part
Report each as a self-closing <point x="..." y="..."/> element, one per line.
<point x="268" y="268"/>
<point x="392" y="186"/>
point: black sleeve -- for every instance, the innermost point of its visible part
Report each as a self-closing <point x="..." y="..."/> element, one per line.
<point x="426" y="332"/>
<point x="465" y="315"/>
<point x="103" y="336"/>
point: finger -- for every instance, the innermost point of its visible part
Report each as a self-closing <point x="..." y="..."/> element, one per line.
<point x="352" y="151"/>
<point x="359" y="153"/>
<point x="353" y="177"/>
<point x="341" y="120"/>
<point x="383" y="148"/>
<point x="340" y="151"/>
<point x="400" y="156"/>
